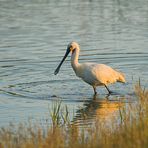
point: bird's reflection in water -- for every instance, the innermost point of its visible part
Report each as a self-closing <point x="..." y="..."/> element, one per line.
<point x="102" y="109"/>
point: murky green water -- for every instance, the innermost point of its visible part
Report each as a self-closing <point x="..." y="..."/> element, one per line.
<point x="33" y="38"/>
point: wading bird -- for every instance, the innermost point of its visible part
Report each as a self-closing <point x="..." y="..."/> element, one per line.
<point x="92" y="73"/>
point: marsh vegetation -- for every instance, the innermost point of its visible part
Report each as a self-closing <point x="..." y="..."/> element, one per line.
<point x="130" y="130"/>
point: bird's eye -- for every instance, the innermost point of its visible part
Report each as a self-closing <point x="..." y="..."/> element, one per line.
<point x="70" y="48"/>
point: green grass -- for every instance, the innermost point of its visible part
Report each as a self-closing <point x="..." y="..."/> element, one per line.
<point x="131" y="132"/>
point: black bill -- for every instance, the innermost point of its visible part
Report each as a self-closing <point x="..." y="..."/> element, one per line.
<point x="58" y="68"/>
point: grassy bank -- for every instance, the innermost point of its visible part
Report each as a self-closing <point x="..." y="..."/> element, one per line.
<point x="132" y="131"/>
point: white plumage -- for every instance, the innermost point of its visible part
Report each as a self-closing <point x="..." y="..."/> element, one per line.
<point x="92" y="73"/>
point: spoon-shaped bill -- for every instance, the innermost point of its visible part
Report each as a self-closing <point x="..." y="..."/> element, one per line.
<point x="58" y="68"/>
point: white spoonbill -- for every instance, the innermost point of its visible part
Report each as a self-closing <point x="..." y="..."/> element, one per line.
<point x="92" y="73"/>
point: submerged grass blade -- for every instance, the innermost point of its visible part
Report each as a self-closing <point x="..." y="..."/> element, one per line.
<point x="55" y="113"/>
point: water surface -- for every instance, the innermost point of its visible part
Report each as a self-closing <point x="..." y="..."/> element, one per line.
<point x="33" y="38"/>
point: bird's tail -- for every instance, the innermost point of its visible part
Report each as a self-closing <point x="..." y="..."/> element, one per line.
<point x="121" y="77"/>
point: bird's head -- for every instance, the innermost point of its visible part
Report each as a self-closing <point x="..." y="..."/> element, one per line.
<point x="70" y="48"/>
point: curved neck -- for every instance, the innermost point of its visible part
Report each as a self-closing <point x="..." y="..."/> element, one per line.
<point x="74" y="59"/>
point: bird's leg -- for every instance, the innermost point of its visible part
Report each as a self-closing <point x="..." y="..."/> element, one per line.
<point x="95" y="92"/>
<point x="107" y="89"/>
